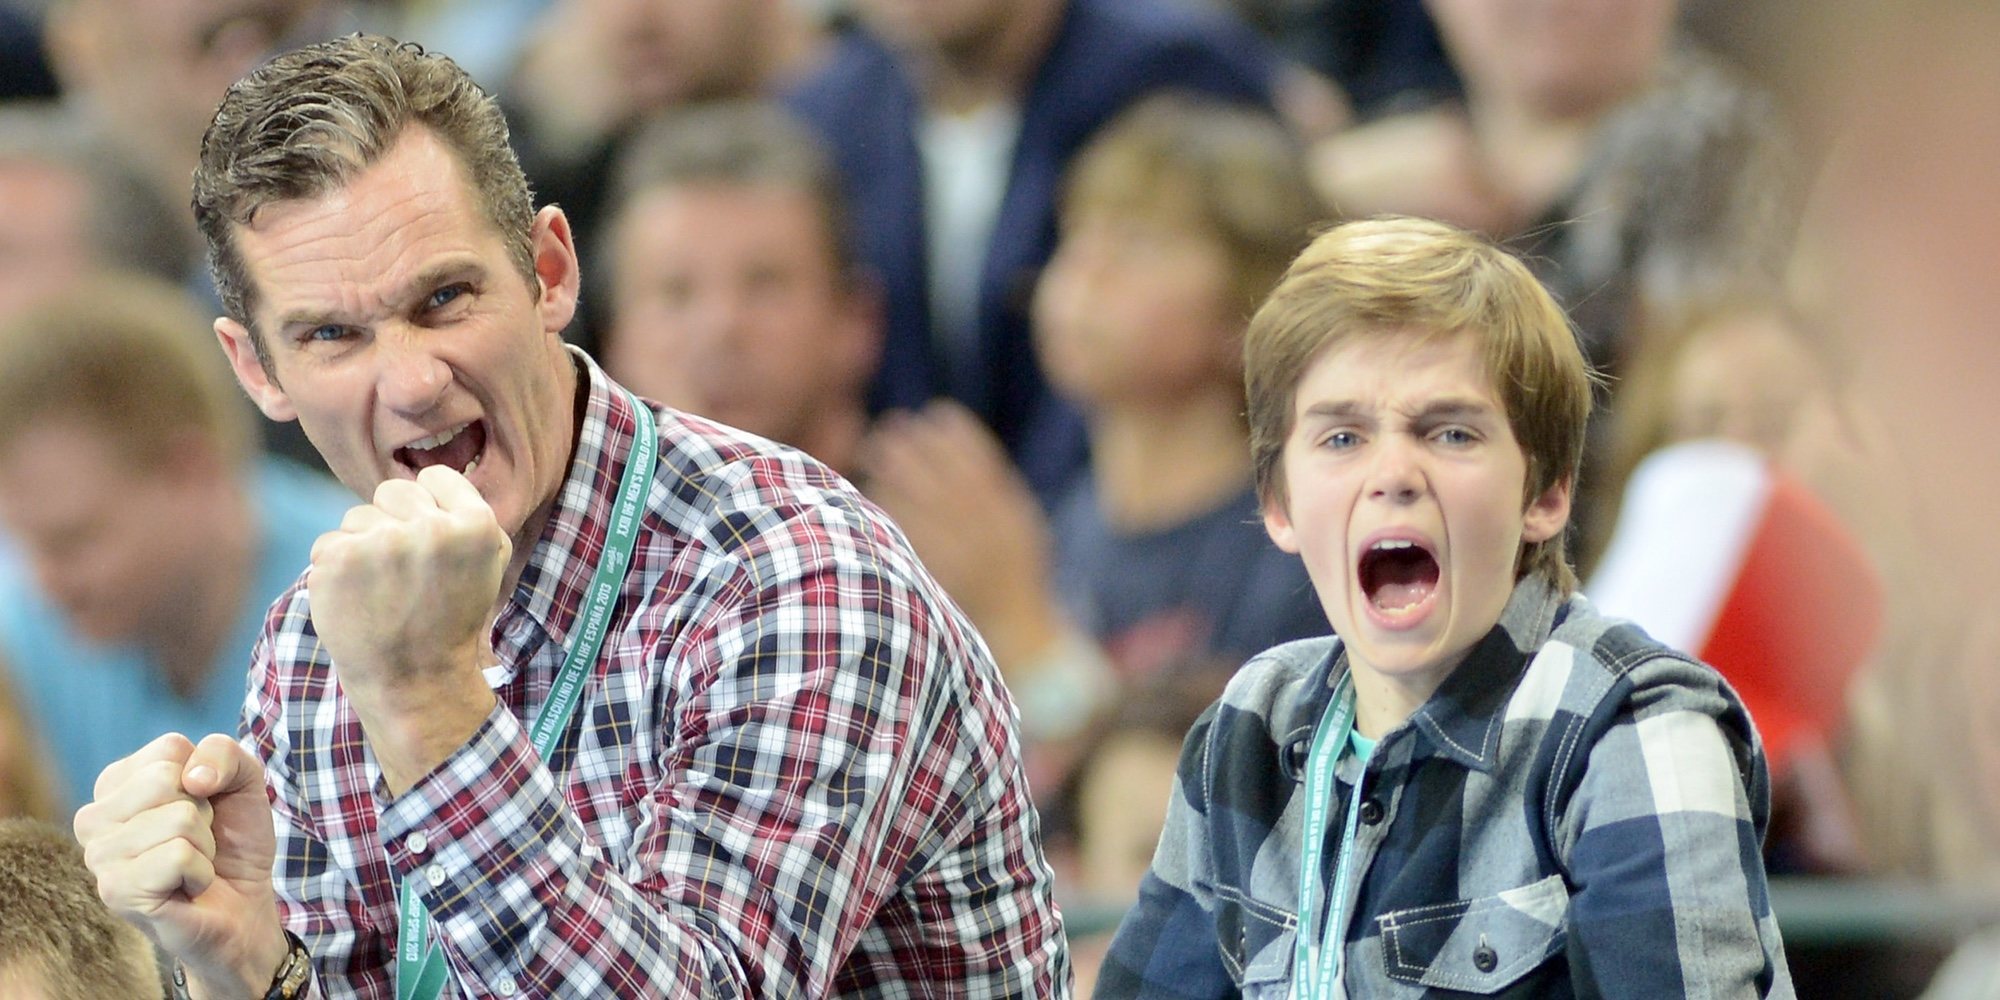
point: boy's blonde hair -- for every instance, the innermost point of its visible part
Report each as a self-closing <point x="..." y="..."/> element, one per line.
<point x="1228" y="171"/>
<point x="1406" y="277"/>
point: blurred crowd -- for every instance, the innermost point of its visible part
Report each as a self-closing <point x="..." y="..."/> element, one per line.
<point x="992" y="260"/>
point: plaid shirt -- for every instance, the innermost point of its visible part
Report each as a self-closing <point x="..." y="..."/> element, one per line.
<point x="794" y="772"/>
<point x="1577" y="811"/>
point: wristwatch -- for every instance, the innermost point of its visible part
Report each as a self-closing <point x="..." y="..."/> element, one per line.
<point x="289" y="983"/>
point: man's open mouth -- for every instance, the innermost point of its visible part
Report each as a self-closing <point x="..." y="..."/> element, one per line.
<point x="458" y="448"/>
<point x="1398" y="574"/>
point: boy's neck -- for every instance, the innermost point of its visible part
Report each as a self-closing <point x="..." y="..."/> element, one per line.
<point x="1159" y="467"/>
<point x="1382" y="701"/>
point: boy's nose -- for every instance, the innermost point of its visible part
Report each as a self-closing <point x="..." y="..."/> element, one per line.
<point x="1395" y="475"/>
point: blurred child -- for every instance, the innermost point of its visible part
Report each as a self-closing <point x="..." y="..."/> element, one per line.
<point x="1482" y="785"/>
<point x="57" y="939"/>
<point x="1176" y="221"/>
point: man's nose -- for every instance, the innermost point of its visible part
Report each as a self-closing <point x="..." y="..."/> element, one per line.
<point x="413" y="378"/>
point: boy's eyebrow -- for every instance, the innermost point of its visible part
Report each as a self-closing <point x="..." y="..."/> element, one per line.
<point x="1449" y="408"/>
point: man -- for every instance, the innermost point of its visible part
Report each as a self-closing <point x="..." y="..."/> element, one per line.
<point x="953" y="122"/>
<point x="792" y="769"/>
<point x="734" y="292"/>
<point x="151" y="538"/>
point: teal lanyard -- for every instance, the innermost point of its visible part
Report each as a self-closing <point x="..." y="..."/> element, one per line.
<point x="420" y="966"/>
<point x="1316" y="949"/>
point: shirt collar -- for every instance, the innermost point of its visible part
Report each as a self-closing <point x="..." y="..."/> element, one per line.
<point x="552" y="584"/>
<point x="1462" y="720"/>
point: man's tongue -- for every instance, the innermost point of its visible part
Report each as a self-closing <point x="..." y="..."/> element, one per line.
<point x="1399" y="578"/>
<point x="458" y="453"/>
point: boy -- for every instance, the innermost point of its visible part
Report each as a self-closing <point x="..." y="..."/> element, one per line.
<point x="57" y="939"/>
<point x="1489" y="788"/>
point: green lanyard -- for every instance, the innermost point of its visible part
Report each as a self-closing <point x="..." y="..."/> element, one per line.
<point x="420" y="966"/>
<point x="1316" y="949"/>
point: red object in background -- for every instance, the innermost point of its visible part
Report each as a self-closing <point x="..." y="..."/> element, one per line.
<point x="1721" y="554"/>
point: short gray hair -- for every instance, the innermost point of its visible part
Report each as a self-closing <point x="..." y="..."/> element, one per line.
<point x="308" y="121"/>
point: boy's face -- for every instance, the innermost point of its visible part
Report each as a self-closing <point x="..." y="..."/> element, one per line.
<point x="1133" y="309"/>
<point x="1403" y="486"/>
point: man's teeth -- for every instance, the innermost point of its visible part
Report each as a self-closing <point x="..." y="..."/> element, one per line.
<point x="438" y="439"/>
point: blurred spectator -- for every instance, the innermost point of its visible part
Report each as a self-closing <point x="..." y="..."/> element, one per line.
<point x="57" y="939"/>
<point x="1383" y="55"/>
<point x="24" y="67"/>
<point x="593" y="70"/>
<point x="953" y="121"/>
<point x="67" y="208"/>
<point x="25" y="788"/>
<point x="147" y="74"/>
<point x="1903" y="229"/>
<point x="151" y="541"/>
<point x="1107" y="818"/>
<point x="735" y="293"/>
<point x="71" y="206"/>
<point x="1176" y="221"/>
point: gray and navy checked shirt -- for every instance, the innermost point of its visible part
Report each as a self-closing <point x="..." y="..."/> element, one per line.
<point x="793" y="772"/>
<point x="1577" y="811"/>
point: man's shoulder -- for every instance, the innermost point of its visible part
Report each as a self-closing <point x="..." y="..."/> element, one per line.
<point x="739" y="494"/>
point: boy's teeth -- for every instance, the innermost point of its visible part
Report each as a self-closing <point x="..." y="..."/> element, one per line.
<point x="1394" y="543"/>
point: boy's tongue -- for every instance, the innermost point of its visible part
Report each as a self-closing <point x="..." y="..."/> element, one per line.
<point x="1399" y="578"/>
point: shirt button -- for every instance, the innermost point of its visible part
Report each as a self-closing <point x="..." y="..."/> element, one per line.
<point x="1485" y="959"/>
<point x="417" y="842"/>
<point x="1371" y="811"/>
<point x="505" y="986"/>
<point x="435" y="874"/>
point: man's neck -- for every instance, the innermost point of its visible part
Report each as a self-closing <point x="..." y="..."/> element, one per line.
<point x="524" y="541"/>
<point x="1159" y="467"/>
<point x="835" y="438"/>
<point x="1000" y="68"/>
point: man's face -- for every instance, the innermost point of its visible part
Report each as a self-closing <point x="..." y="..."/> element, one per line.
<point x="670" y="52"/>
<point x="951" y="27"/>
<point x="1563" y="56"/>
<point x="402" y="335"/>
<point x="1404" y="487"/>
<point x="43" y="240"/>
<point x="99" y="530"/>
<point x="729" y="304"/>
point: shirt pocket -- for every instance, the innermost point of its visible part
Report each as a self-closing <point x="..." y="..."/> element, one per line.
<point x="1479" y="945"/>
<point x="1264" y="940"/>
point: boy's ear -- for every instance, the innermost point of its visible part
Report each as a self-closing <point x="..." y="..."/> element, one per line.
<point x="249" y="368"/>
<point x="1547" y="514"/>
<point x="1278" y="524"/>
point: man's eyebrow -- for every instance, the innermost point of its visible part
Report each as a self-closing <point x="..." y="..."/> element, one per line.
<point x="423" y="284"/>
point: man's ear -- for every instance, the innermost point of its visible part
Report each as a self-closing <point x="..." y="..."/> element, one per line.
<point x="1547" y="514"/>
<point x="1278" y="524"/>
<point x="557" y="277"/>
<point x="249" y="368"/>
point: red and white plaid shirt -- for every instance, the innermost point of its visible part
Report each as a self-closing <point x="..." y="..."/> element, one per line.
<point x="794" y="771"/>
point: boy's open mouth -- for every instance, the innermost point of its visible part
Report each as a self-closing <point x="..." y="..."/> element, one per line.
<point x="1397" y="575"/>
<point x="459" y="448"/>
